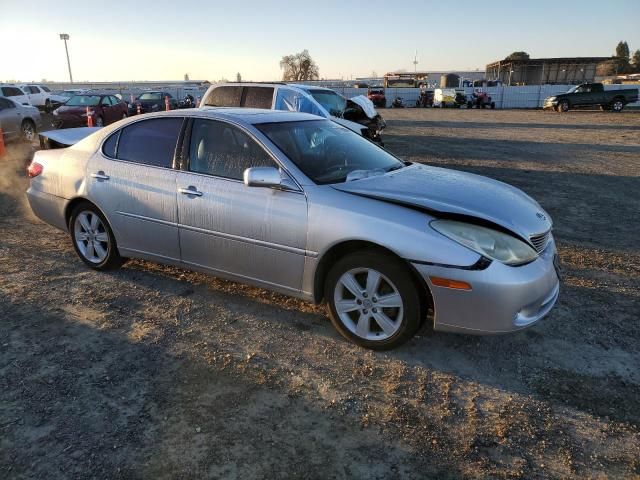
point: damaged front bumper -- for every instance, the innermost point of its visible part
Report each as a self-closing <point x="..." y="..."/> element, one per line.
<point x="502" y="298"/>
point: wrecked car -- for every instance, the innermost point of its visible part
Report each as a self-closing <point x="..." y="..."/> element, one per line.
<point x="357" y="113"/>
<point x="305" y="207"/>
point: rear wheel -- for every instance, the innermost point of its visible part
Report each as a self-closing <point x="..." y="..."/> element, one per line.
<point x="93" y="239"/>
<point x="99" y="122"/>
<point x="373" y="301"/>
<point x="617" y="105"/>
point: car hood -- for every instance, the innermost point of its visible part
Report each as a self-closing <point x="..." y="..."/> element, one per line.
<point x="459" y="194"/>
<point x="366" y="104"/>
<point x="75" y="110"/>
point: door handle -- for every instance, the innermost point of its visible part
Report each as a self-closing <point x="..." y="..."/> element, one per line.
<point x="100" y="175"/>
<point x="190" y="190"/>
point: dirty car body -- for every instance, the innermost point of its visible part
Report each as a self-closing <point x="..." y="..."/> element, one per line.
<point x="305" y="207"/>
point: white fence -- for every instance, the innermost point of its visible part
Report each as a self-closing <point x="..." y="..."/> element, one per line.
<point x="531" y="96"/>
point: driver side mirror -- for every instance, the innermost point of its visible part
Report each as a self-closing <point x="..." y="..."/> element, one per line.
<point x="268" y="177"/>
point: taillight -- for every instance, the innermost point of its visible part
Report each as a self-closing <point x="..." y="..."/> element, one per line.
<point x="34" y="169"/>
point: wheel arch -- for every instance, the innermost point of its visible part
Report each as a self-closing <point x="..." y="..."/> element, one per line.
<point x="339" y="250"/>
<point x="71" y="204"/>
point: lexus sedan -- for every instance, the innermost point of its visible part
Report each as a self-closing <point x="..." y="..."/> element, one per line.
<point x="303" y="206"/>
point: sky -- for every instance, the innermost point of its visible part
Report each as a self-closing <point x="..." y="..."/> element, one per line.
<point x="211" y="40"/>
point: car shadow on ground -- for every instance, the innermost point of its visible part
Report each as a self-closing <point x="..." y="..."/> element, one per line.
<point x="94" y="400"/>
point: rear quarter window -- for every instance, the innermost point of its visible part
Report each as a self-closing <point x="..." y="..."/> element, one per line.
<point x="150" y="142"/>
<point x="258" y="97"/>
<point x="109" y="147"/>
<point x="229" y="96"/>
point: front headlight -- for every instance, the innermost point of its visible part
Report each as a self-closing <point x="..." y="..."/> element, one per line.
<point x="551" y="99"/>
<point x="485" y="241"/>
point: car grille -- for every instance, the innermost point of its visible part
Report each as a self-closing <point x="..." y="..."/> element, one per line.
<point x="540" y="241"/>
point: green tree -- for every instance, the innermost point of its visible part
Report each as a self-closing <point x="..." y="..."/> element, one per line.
<point x="238" y="77"/>
<point x="299" y="67"/>
<point x="635" y="60"/>
<point x="518" y="56"/>
<point x="622" y="51"/>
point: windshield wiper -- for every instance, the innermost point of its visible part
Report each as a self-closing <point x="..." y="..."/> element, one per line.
<point x="396" y="167"/>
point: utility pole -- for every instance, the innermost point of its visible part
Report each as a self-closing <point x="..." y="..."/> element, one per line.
<point x="65" y="37"/>
<point x="415" y="62"/>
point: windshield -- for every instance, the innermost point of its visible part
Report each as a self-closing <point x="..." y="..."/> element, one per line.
<point x="573" y="89"/>
<point x="83" y="101"/>
<point x="327" y="152"/>
<point x="151" y="96"/>
<point x="331" y="101"/>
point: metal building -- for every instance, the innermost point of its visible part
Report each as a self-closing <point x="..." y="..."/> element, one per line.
<point x="542" y="71"/>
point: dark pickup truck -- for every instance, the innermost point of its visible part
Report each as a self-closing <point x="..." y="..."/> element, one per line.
<point x="591" y="94"/>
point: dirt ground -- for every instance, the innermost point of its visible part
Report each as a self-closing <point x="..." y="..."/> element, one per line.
<point x="157" y="372"/>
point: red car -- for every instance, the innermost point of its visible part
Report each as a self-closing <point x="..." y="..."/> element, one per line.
<point x="376" y="95"/>
<point x="104" y="109"/>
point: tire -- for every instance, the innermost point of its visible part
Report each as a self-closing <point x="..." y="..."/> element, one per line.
<point x="366" y="324"/>
<point x="47" y="106"/>
<point x="469" y="104"/>
<point x="99" y="122"/>
<point x="563" y="106"/>
<point x="617" y="105"/>
<point x="93" y="239"/>
<point x="493" y="105"/>
<point x="28" y="131"/>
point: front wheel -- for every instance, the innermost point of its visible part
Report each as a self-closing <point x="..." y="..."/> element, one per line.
<point x="563" y="106"/>
<point x="373" y="301"/>
<point x="93" y="239"/>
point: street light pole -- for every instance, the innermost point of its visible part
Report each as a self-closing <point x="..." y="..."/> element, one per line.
<point x="65" y="37"/>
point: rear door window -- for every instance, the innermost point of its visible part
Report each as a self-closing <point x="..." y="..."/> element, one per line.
<point x="33" y="89"/>
<point x="11" y="92"/>
<point x="220" y="149"/>
<point x="227" y="96"/>
<point x="258" y="97"/>
<point x="150" y="142"/>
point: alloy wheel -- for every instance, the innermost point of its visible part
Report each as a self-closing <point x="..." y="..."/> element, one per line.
<point x="28" y="131"/>
<point x="617" y="105"/>
<point x="91" y="237"/>
<point x="368" y="304"/>
<point x="99" y="122"/>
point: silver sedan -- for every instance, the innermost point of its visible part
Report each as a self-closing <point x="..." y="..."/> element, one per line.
<point x="300" y="205"/>
<point x="18" y="121"/>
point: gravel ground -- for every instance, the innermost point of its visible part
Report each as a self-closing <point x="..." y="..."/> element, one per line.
<point x="157" y="372"/>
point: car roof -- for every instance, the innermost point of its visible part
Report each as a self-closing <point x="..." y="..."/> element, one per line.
<point x="310" y="87"/>
<point x="246" y="116"/>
